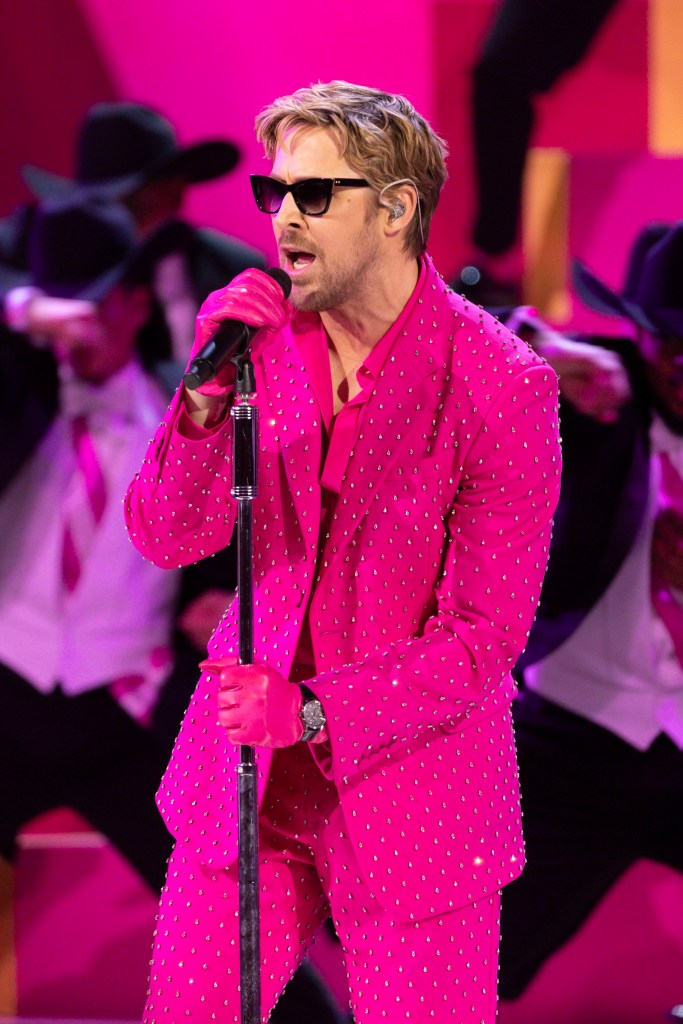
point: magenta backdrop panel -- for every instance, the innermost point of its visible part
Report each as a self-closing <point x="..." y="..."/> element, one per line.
<point x="601" y="106"/>
<point x="211" y="65"/>
<point x="51" y="69"/>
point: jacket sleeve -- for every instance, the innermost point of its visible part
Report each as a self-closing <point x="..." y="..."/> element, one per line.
<point x="178" y="508"/>
<point x="499" y="528"/>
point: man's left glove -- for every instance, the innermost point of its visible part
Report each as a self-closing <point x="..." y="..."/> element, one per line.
<point x="256" y="705"/>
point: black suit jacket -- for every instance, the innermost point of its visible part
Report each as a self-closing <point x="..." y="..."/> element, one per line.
<point x="605" y="479"/>
<point x="29" y="398"/>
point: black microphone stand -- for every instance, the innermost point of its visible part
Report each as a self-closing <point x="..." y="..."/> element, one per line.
<point x="244" y="413"/>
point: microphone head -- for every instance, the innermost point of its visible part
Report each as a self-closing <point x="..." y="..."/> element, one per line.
<point x="192" y="380"/>
<point x="282" y="279"/>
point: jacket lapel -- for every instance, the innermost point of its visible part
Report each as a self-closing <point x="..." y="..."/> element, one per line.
<point x="392" y="422"/>
<point x="291" y="429"/>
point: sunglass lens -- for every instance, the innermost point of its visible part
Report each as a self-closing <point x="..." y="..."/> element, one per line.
<point x="312" y="196"/>
<point x="268" y="193"/>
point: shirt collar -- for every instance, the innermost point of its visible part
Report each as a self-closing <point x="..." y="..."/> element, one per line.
<point x="116" y="397"/>
<point x="370" y="370"/>
<point x="311" y="341"/>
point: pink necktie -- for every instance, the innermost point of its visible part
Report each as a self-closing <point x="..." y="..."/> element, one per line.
<point x="666" y="604"/>
<point x="85" y="503"/>
<point x="138" y="694"/>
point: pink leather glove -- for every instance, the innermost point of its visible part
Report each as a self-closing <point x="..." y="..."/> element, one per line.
<point x="252" y="297"/>
<point x="256" y="705"/>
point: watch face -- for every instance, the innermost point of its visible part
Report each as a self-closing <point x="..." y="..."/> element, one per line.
<point x="313" y="714"/>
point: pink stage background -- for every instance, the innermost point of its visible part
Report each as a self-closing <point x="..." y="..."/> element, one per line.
<point x="210" y="65"/>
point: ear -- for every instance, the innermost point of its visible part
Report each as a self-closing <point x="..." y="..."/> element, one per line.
<point x="399" y="202"/>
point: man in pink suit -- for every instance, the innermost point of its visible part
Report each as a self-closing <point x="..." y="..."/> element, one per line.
<point x="408" y="471"/>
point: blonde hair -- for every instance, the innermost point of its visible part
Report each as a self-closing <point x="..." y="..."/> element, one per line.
<point x="382" y="137"/>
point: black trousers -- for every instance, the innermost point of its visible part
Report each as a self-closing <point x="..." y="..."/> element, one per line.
<point x="529" y="45"/>
<point x="86" y="753"/>
<point x="593" y="805"/>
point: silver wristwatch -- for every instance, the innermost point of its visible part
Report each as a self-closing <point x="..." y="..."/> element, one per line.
<point x="311" y="714"/>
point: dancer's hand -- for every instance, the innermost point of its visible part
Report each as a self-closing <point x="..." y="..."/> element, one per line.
<point x="592" y="378"/>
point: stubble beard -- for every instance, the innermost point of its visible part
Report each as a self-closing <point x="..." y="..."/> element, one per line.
<point x="339" y="285"/>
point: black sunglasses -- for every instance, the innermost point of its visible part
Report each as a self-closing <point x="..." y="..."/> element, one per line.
<point x="311" y="195"/>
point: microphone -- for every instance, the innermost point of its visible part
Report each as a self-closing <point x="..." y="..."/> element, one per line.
<point x="231" y="339"/>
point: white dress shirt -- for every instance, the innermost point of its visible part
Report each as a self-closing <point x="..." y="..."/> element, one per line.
<point x="619" y="668"/>
<point x="121" y="609"/>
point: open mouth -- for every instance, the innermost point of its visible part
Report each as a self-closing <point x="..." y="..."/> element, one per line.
<point x="297" y="260"/>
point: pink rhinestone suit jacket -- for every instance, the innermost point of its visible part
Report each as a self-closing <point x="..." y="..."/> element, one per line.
<point x="420" y="595"/>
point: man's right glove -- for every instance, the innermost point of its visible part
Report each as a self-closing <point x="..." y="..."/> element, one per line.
<point x="253" y="298"/>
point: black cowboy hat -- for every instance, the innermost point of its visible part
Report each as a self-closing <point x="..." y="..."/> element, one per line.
<point x="652" y="296"/>
<point x="82" y="246"/>
<point x="122" y="146"/>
